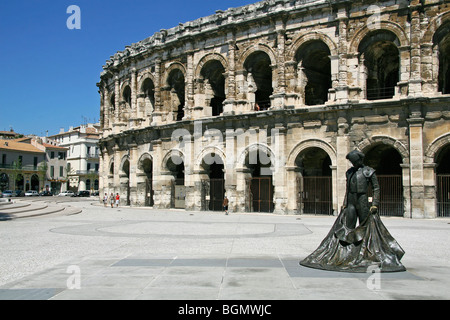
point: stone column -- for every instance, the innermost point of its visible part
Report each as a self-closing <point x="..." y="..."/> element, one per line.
<point x="416" y="165"/>
<point x="415" y="81"/>
<point x="342" y="77"/>
<point x="189" y="103"/>
<point x="278" y="143"/>
<point x="189" y="177"/>
<point x="117" y="98"/>
<point x="339" y="173"/>
<point x="117" y="158"/>
<point x="229" y="166"/>
<point x="228" y="105"/>
<point x="134" y="156"/>
<point x="157" y="113"/>
<point x="157" y="174"/>
<point x="106" y="108"/>
<point x="430" y="189"/>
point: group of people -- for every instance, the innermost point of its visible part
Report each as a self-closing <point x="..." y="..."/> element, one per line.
<point x="115" y="199"/>
<point x="112" y="199"/>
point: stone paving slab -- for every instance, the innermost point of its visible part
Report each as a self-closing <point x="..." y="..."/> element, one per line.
<point x="120" y="254"/>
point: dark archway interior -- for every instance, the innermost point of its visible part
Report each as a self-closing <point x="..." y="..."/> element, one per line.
<point x="127" y="96"/>
<point x="213" y="71"/>
<point x="147" y="167"/>
<point x="148" y="89"/>
<point x="316" y="63"/>
<point x="382" y="59"/>
<point x="259" y="65"/>
<point x="384" y="159"/>
<point x="442" y="39"/>
<point x="443" y="161"/>
<point x="126" y="168"/>
<point x="177" y="85"/>
<point x="259" y="164"/>
<point x="314" y="162"/>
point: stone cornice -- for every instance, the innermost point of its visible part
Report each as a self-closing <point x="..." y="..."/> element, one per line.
<point x="231" y="19"/>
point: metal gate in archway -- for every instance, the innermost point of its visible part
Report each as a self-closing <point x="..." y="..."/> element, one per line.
<point x="149" y="193"/>
<point x="391" y="195"/>
<point x="213" y="193"/>
<point x="315" y="195"/>
<point x="443" y="195"/>
<point x="260" y="194"/>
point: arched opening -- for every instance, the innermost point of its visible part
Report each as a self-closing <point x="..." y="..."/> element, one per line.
<point x="88" y="185"/>
<point x="442" y="40"/>
<point x="259" y="80"/>
<point x="386" y="161"/>
<point x="213" y="183"/>
<point x="314" y="71"/>
<point x="379" y="51"/>
<point x="147" y="169"/>
<point x="260" y="189"/>
<point x="175" y="165"/>
<point x="112" y="103"/>
<point x="148" y="90"/>
<point x="443" y="182"/>
<point x="176" y="84"/>
<point x="127" y="96"/>
<point x="314" y="182"/>
<point x="34" y="182"/>
<point x="214" y="85"/>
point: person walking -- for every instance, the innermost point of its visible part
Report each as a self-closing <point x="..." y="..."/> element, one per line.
<point x="112" y="199"/>
<point x="105" y="199"/>
<point x="225" y="205"/>
<point x="117" y="200"/>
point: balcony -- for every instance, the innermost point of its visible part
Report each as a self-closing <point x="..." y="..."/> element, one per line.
<point x="28" y="167"/>
<point x="85" y="172"/>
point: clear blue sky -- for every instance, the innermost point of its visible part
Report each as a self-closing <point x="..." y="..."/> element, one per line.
<point x="48" y="73"/>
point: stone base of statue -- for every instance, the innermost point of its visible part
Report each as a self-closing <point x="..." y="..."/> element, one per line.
<point x="368" y="246"/>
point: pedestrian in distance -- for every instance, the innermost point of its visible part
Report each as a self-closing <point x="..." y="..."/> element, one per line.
<point x="117" y="200"/>
<point x="105" y="199"/>
<point x="112" y="199"/>
<point x="225" y="205"/>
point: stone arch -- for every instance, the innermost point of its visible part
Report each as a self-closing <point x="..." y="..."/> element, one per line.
<point x="311" y="143"/>
<point x="111" y="166"/>
<point x="123" y="163"/>
<point x="111" y="100"/>
<point x="252" y="148"/>
<point x="255" y="48"/>
<point x="175" y="153"/>
<point x="311" y="36"/>
<point x="206" y="151"/>
<point x="433" y="26"/>
<point x="144" y="76"/>
<point x="384" y="25"/>
<point x="368" y="143"/>
<point x="313" y="70"/>
<point x="142" y="158"/>
<point x="211" y="83"/>
<point x="173" y="66"/>
<point x="259" y="70"/>
<point x="207" y="58"/>
<point x="435" y="146"/>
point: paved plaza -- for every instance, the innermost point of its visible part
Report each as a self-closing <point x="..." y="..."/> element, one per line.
<point x="87" y="251"/>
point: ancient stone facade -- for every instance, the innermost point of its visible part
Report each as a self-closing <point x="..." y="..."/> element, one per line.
<point x="262" y="103"/>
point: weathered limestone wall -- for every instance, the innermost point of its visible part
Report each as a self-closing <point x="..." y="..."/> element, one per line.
<point x="277" y="50"/>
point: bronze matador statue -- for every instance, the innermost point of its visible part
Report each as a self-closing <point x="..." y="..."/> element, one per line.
<point x="352" y="248"/>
